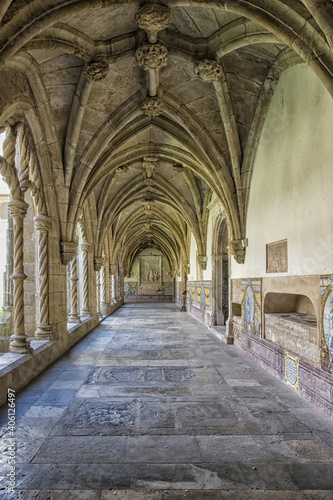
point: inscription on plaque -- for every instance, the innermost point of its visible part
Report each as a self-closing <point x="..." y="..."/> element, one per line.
<point x="277" y="257"/>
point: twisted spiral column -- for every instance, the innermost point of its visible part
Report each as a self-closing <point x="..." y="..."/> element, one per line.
<point x="19" y="343"/>
<point x="42" y="226"/>
<point x="85" y="285"/>
<point x="98" y="292"/>
<point x="104" y="305"/>
<point x="74" y="316"/>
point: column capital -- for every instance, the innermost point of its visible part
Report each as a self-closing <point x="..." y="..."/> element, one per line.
<point x="98" y="263"/>
<point x="68" y="250"/>
<point x="42" y="222"/>
<point x="202" y="259"/>
<point x="18" y="209"/>
<point x="84" y="246"/>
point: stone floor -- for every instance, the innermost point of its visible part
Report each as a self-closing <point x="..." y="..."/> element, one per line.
<point x="152" y="406"/>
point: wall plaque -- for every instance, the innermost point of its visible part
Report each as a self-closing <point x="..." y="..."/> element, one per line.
<point x="150" y="273"/>
<point x="291" y="370"/>
<point x="277" y="257"/>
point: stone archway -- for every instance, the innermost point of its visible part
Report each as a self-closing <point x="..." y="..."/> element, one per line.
<point x="220" y="272"/>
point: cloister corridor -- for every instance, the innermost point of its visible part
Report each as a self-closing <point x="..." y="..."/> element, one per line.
<point x="151" y="405"/>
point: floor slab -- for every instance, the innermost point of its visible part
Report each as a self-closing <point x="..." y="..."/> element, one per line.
<point x="151" y="406"/>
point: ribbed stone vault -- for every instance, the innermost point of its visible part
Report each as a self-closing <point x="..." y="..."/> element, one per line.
<point x="138" y="115"/>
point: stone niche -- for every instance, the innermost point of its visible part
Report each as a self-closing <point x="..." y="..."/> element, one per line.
<point x="291" y="324"/>
<point x="149" y="277"/>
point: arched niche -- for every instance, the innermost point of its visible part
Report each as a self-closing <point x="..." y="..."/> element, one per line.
<point x="291" y="324"/>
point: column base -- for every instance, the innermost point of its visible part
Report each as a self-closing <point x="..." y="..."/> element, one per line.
<point x="20" y="347"/>
<point x="74" y="318"/>
<point x="85" y="313"/>
<point x="44" y="332"/>
<point x="229" y="330"/>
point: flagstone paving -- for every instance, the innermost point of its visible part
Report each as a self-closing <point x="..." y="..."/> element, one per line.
<point x="152" y="406"/>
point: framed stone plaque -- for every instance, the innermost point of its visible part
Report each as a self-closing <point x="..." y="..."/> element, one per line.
<point x="150" y="273"/>
<point x="277" y="257"/>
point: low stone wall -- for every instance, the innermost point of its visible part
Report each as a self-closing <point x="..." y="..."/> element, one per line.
<point x="18" y="370"/>
<point x="148" y="298"/>
<point x="314" y="384"/>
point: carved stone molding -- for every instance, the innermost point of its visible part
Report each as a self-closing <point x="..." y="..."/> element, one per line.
<point x="178" y="167"/>
<point x="122" y="170"/>
<point x="68" y="250"/>
<point x="148" y="205"/>
<point x="152" y="106"/>
<point x="152" y="19"/>
<point x="18" y="209"/>
<point x="96" y="70"/>
<point x="149" y="163"/>
<point x="84" y="246"/>
<point x="42" y="222"/>
<point x="152" y="56"/>
<point x="202" y="259"/>
<point x="208" y="70"/>
<point x="98" y="263"/>
<point x="237" y="250"/>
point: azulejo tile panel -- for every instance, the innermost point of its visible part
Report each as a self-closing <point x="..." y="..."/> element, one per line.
<point x="326" y="343"/>
<point x="130" y="288"/>
<point x="168" y="288"/>
<point x="199" y="294"/>
<point x="251" y="306"/>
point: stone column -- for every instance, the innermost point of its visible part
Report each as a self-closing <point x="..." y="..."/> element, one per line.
<point x="113" y="289"/>
<point x="19" y="343"/>
<point x="74" y="316"/>
<point x="105" y="304"/>
<point x="98" y="263"/>
<point x="7" y="282"/>
<point x="85" y="286"/>
<point x="98" y="292"/>
<point x="42" y="226"/>
<point x="121" y="285"/>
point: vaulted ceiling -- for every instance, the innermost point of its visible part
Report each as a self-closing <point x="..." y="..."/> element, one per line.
<point x="139" y="114"/>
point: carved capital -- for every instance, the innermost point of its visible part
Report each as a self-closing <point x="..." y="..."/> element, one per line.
<point x="68" y="250"/>
<point x="18" y="209"/>
<point x="96" y="70"/>
<point x="152" y="106"/>
<point x="152" y="19"/>
<point x="113" y="268"/>
<point x="42" y="222"/>
<point x="208" y="70"/>
<point x="84" y="246"/>
<point x="237" y="250"/>
<point x="148" y="205"/>
<point x="202" y="259"/>
<point x="98" y="263"/>
<point x="152" y="56"/>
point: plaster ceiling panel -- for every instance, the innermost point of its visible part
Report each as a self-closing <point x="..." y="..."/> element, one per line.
<point x="104" y="23"/>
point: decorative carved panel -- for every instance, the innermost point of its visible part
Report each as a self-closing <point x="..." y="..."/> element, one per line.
<point x="150" y="273"/>
<point x="277" y="257"/>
